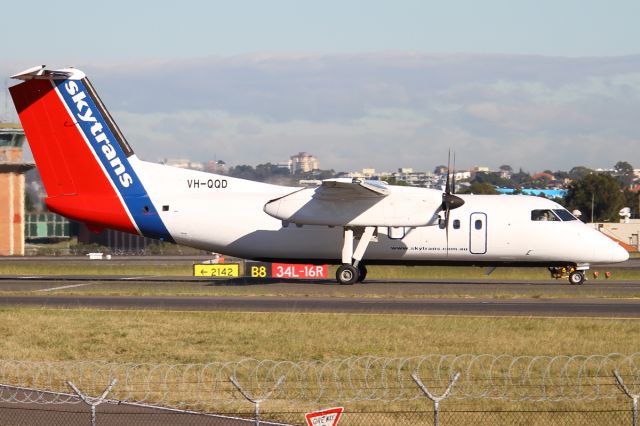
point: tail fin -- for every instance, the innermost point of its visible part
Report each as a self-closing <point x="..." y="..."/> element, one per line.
<point x="82" y="156"/>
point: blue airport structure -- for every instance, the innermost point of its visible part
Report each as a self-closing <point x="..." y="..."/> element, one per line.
<point x="549" y="193"/>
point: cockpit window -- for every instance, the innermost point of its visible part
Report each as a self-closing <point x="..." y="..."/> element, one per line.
<point x="544" y="215"/>
<point x="564" y="215"/>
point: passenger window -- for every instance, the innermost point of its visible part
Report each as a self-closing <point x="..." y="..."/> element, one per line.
<point x="456" y="224"/>
<point x="478" y="224"/>
<point x="543" y="216"/>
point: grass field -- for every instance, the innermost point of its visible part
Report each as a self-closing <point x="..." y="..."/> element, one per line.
<point x="199" y="337"/>
<point x="186" y="337"/>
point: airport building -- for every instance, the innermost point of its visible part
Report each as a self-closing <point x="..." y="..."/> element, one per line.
<point x="12" y="170"/>
<point x="303" y="162"/>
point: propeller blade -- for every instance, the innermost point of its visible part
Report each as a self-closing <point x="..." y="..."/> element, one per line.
<point x="453" y="178"/>
<point x="449" y="200"/>
<point x="446" y="226"/>
<point x="446" y="186"/>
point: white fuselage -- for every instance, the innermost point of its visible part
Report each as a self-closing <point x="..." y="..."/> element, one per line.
<point x="224" y="214"/>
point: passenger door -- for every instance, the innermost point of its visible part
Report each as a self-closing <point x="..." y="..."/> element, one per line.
<point x="478" y="233"/>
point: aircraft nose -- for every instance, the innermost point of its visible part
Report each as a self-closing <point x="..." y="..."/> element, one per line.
<point x="619" y="254"/>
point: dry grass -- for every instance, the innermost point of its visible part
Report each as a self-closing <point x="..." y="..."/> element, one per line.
<point x="87" y="267"/>
<point x="183" y="337"/>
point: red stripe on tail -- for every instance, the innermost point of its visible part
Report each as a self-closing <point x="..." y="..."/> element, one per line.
<point x="76" y="185"/>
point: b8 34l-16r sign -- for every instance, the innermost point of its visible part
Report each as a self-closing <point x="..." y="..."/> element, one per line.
<point x="91" y="174"/>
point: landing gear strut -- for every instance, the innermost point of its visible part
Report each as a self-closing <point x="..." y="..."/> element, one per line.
<point x="352" y="270"/>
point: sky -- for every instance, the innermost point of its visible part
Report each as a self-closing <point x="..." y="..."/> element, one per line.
<point x="533" y="84"/>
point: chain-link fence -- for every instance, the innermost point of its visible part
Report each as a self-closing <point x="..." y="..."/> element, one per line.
<point x="433" y="389"/>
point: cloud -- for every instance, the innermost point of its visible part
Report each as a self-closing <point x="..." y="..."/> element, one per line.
<point x="382" y="110"/>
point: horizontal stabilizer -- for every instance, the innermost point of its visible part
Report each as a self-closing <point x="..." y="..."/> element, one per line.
<point x="40" y="73"/>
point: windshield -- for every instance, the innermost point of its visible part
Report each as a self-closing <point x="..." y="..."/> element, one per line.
<point x="544" y="215"/>
<point x="565" y="215"/>
<point x="547" y="215"/>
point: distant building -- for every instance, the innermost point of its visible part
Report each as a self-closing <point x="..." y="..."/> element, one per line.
<point x="368" y="173"/>
<point x="543" y="175"/>
<point x="46" y="226"/>
<point x="462" y="175"/>
<point x="214" y="166"/>
<point x="183" y="163"/>
<point x="303" y="162"/>
<point x="284" y="165"/>
<point x="478" y="169"/>
<point x="12" y="170"/>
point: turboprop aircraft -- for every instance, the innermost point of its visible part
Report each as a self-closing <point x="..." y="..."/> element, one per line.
<point x="91" y="174"/>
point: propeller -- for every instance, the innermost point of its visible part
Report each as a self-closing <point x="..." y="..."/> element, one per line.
<point x="450" y="201"/>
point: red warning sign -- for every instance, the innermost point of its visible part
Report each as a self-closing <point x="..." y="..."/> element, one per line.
<point x="296" y="270"/>
<point x="329" y="417"/>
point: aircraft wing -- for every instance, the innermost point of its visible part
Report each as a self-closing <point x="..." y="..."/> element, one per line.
<point x="347" y="202"/>
<point x="345" y="189"/>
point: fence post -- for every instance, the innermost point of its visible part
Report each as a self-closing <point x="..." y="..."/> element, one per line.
<point x="93" y="402"/>
<point x="436" y="399"/>
<point x="256" y="401"/>
<point x="634" y="397"/>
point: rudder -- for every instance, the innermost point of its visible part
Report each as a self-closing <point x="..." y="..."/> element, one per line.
<point x="81" y="154"/>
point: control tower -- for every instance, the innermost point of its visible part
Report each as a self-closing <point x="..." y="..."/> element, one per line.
<point x="12" y="170"/>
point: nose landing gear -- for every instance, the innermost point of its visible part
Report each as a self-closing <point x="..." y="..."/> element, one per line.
<point x="575" y="274"/>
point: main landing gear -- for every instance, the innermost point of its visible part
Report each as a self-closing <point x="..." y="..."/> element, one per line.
<point x="351" y="270"/>
<point x="575" y="274"/>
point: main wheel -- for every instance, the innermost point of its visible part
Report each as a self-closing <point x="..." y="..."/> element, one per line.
<point x="347" y="274"/>
<point x="362" y="272"/>
<point x="576" y="278"/>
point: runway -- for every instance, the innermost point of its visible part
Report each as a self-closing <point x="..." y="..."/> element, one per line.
<point x="628" y="308"/>
<point x="596" y="298"/>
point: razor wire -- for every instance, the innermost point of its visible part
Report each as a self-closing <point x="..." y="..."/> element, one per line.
<point x="365" y="378"/>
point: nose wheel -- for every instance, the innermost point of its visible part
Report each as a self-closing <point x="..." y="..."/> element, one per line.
<point x="576" y="277"/>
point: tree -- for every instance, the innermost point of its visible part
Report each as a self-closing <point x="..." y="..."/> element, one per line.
<point x="522" y="179"/>
<point x="623" y="168"/>
<point x="29" y="204"/>
<point x="243" y="171"/>
<point x="492" y="179"/>
<point x="632" y="200"/>
<point x="506" y="168"/>
<point x="479" y="188"/>
<point x="392" y="180"/>
<point x="600" y="188"/>
<point x="624" y="173"/>
<point x="440" y="170"/>
<point x="579" y="172"/>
